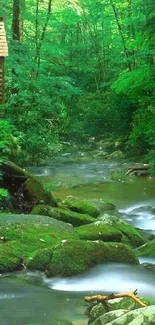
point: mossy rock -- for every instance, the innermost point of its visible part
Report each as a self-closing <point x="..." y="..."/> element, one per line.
<point x="75" y="218"/>
<point x="16" y="178"/>
<point x="73" y="257"/>
<point x="117" y="154"/>
<point x="130" y="235"/>
<point x="140" y="316"/>
<point x="40" y="260"/>
<point x="62" y="214"/>
<point x="147" y="250"/>
<point x="10" y="256"/>
<point x="34" y="232"/>
<point x="45" y="210"/>
<point x="60" y="321"/>
<point x="126" y="303"/>
<point x="95" y="231"/>
<point x="81" y="206"/>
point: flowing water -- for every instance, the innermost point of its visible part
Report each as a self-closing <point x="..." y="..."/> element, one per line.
<point x="27" y="298"/>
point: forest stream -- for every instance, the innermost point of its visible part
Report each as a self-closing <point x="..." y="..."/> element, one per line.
<point x="29" y="297"/>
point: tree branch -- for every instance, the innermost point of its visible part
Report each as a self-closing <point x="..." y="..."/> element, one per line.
<point x="100" y="298"/>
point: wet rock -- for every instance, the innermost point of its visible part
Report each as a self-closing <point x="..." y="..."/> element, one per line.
<point x="99" y="231"/>
<point x="75" y="218"/>
<point x="141" y="316"/>
<point x="117" y="174"/>
<point x="127" y="304"/>
<point x="10" y="256"/>
<point x="73" y="257"/>
<point x="147" y="250"/>
<point x="81" y="206"/>
<point x="97" y="310"/>
<point x="63" y="214"/>
<point x="99" y="154"/>
<point x="33" y="233"/>
<point x="130" y="235"/>
<point x="25" y="187"/>
<point x="143" y="209"/>
<point x="109" y="317"/>
<point x="118" y="154"/>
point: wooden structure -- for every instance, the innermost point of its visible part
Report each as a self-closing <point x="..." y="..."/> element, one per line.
<point x="3" y="54"/>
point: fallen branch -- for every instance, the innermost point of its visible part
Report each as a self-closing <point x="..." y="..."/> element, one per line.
<point x="100" y="298"/>
<point x="136" y="168"/>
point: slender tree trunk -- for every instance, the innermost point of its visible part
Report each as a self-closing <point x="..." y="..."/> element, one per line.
<point x="126" y="53"/>
<point x="39" y="42"/>
<point x="16" y="20"/>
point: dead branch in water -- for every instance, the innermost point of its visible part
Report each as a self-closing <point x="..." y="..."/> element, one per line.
<point x="100" y="298"/>
<point x="136" y="168"/>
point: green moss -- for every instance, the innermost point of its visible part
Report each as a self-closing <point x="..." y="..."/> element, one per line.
<point x="41" y="259"/>
<point x="32" y="188"/>
<point x="81" y="206"/>
<point x="147" y="250"/>
<point x="100" y="231"/>
<point x="33" y="233"/>
<point x="131" y="236"/>
<point x="76" y="256"/>
<point x="76" y="219"/>
<point x="45" y="210"/>
<point x="10" y="256"/>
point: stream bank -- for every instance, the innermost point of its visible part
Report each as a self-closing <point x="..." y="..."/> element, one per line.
<point x="127" y="196"/>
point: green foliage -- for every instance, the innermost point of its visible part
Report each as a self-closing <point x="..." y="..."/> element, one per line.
<point x="84" y="70"/>
<point x="3" y="193"/>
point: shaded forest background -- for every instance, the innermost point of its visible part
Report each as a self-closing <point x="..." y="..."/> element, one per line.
<point x="78" y="69"/>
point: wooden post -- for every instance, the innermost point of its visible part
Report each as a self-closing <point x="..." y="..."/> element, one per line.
<point x="3" y="54"/>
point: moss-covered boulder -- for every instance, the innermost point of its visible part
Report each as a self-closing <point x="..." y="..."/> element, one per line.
<point x="130" y="235"/>
<point x="95" y="231"/>
<point x="63" y="214"/>
<point x="81" y="206"/>
<point x="99" y="309"/>
<point x="33" y="233"/>
<point x="10" y="256"/>
<point x="140" y="316"/>
<point x="45" y="210"/>
<point x="146" y="250"/>
<point x="72" y="257"/>
<point x="117" y="154"/>
<point x="75" y="218"/>
<point x="29" y="188"/>
<point x="40" y="260"/>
